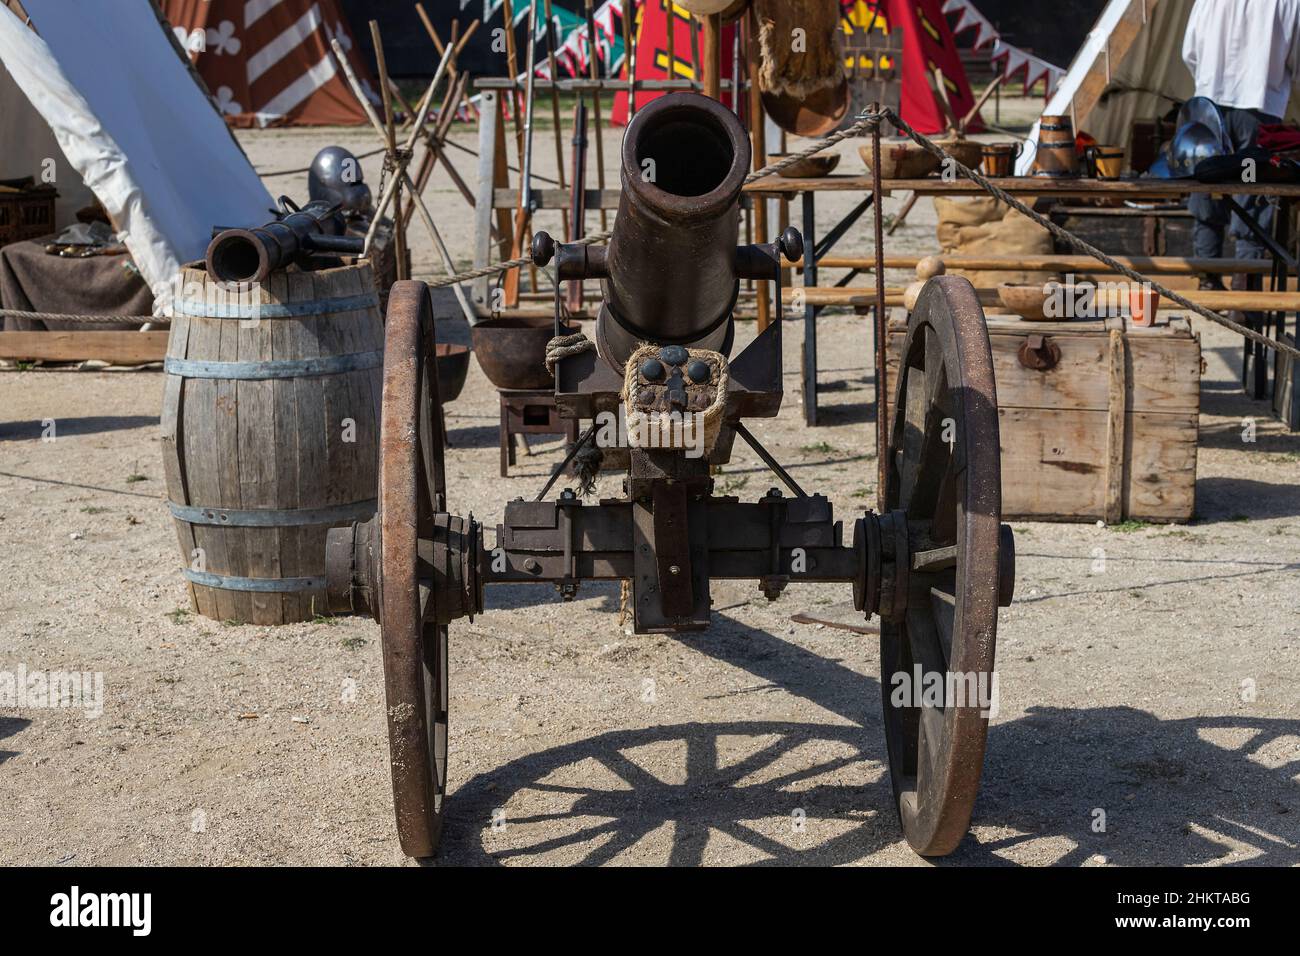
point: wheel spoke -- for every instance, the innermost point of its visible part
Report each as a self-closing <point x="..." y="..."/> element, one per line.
<point x="933" y="453"/>
<point x="931" y="747"/>
<point x="943" y="605"/>
<point x="926" y="644"/>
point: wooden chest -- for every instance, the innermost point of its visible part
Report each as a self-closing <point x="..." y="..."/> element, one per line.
<point x="1098" y="418"/>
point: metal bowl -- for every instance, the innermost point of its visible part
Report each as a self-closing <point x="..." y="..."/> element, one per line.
<point x="512" y="351"/>
<point x="453" y="366"/>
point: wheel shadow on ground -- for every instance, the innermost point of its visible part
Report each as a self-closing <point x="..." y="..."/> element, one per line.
<point x="473" y="436"/>
<point x="9" y="726"/>
<point x="1174" y="792"/>
<point x="1169" y="792"/>
<point x="67" y="427"/>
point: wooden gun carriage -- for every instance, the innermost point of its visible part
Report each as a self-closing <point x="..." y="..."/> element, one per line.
<point x="935" y="565"/>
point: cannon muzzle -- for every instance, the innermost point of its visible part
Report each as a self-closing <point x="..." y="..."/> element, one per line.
<point x="251" y="255"/>
<point x="671" y="272"/>
<point x="671" y="263"/>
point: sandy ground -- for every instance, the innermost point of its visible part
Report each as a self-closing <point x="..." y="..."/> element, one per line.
<point x="1149" y="712"/>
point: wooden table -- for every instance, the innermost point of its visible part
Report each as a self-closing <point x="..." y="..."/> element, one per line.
<point x="1169" y="190"/>
<point x="1255" y="379"/>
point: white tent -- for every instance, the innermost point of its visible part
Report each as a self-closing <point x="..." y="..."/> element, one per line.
<point x="1145" y="83"/>
<point x="129" y="118"/>
<point x="30" y="149"/>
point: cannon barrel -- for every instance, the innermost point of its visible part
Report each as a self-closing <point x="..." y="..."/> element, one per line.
<point x="251" y="255"/>
<point x="670" y="269"/>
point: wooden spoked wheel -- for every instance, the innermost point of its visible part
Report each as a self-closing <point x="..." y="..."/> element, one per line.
<point x="412" y="491"/>
<point x="945" y="476"/>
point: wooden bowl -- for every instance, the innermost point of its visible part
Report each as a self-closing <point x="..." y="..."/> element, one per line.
<point x="817" y="114"/>
<point x="812" y="167"/>
<point x="1026" y="301"/>
<point x="901" y="160"/>
<point x="453" y="366"/>
<point x="966" y="151"/>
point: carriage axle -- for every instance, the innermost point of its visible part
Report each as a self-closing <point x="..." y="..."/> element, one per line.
<point x="670" y="545"/>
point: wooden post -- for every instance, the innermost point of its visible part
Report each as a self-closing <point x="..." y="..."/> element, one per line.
<point x="712" y="56"/>
<point x="1116" y="420"/>
<point x="629" y="57"/>
<point x="671" y="72"/>
<point x="758" y="144"/>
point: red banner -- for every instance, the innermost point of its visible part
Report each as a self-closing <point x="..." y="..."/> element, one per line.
<point x="651" y="43"/>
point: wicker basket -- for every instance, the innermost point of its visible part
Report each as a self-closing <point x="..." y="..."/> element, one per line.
<point x="26" y="214"/>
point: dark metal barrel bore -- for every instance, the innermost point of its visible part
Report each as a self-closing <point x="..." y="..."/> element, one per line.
<point x="671" y="260"/>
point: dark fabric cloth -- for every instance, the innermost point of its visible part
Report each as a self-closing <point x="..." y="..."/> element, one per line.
<point x="1213" y="216"/>
<point x="1279" y="137"/>
<point x="32" y="280"/>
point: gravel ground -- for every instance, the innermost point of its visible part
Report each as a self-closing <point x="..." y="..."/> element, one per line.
<point x="1148" y="712"/>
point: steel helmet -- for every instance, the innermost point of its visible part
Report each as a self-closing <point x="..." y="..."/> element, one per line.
<point x="1202" y="109"/>
<point x="336" y="177"/>
<point x="1192" y="144"/>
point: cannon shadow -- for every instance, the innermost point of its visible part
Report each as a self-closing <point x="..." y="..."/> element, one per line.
<point x="1174" y="792"/>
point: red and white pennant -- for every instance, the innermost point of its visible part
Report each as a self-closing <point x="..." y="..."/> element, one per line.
<point x="1013" y="59"/>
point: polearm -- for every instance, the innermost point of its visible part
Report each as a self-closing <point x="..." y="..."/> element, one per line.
<point x="579" y="217"/>
<point x="526" y="169"/>
<point x="429" y="28"/>
<point x="555" y="111"/>
<point x="389" y="134"/>
<point x="594" y="70"/>
<point x="387" y="196"/>
<point x="524" y="211"/>
<point x="401" y="175"/>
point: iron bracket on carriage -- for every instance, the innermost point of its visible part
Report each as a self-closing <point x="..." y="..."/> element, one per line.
<point x="934" y="566"/>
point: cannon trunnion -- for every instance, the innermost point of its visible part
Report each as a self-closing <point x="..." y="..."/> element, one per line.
<point x="665" y="401"/>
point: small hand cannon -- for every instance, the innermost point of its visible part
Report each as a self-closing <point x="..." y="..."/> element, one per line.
<point x="294" y="236"/>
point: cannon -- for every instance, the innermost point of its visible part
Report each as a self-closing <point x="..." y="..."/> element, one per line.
<point x="295" y="236"/>
<point x="934" y="565"/>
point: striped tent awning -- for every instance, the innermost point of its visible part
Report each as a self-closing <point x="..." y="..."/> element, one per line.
<point x="269" y="62"/>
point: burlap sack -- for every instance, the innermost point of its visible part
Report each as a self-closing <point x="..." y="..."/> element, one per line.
<point x="987" y="227"/>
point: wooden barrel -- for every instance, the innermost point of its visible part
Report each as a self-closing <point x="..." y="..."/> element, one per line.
<point x="270" y="430"/>
<point x="1056" y="156"/>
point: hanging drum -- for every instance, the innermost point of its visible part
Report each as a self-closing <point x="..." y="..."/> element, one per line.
<point x="801" y="71"/>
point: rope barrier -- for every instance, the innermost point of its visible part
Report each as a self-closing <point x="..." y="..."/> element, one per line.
<point x="88" y="319"/>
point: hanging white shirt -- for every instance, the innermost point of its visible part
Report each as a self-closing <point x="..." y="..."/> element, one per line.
<point x="1244" y="53"/>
